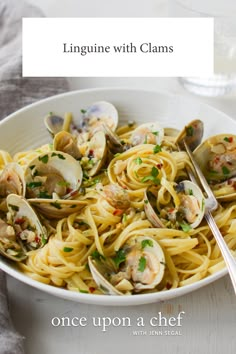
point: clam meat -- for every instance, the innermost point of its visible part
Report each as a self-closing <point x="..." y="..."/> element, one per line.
<point x="138" y="266"/>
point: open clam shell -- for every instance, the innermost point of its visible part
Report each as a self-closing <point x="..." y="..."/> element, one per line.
<point x="65" y="142"/>
<point x="192" y="134"/>
<point x="216" y="157"/>
<point x="23" y="230"/>
<point x="12" y="181"/>
<point x="148" y="133"/>
<point x="97" y="114"/>
<point x="142" y="268"/>
<point x="53" y="175"/>
<point x="53" y="123"/>
<point x="96" y="154"/>
<point x="57" y="208"/>
<point x="192" y="203"/>
<point x="149" y="208"/>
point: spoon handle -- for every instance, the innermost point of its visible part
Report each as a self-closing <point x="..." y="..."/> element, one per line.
<point x="226" y="253"/>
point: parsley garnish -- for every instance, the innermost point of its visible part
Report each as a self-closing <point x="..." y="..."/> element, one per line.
<point x="14" y="207"/>
<point x="43" y="240"/>
<point x="83" y="291"/>
<point x="190" y="192"/>
<point x="225" y="170"/>
<point x="58" y="155"/>
<point x="97" y="255"/>
<point x="145" y="201"/>
<point x="34" y="184"/>
<point x="68" y="249"/>
<point x="83" y="111"/>
<point x="145" y="140"/>
<point x="44" y="195"/>
<point x="146" y="243"/>
<point x="44" y="159"/>
<point x="142" y="264"/>
<point x="138" y="161"/>
<point x="185" y="227"/>
<point x="32" y="167"/>
<point x="63" y="184"/>
<point x="56" y="205"/>
<point x="155" y="133"/>
<point x="157" y="149"/>
<point x="119" y="258"/>
<point x="189" y="131"/>
<point x="124" y="218"/>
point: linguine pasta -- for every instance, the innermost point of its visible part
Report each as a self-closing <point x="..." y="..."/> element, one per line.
<point x="104" y="226"/>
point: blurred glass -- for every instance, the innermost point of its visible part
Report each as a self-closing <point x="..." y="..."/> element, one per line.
<point x="224" y="12"/>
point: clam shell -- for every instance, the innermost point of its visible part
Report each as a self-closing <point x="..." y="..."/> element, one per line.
<point x="67" y="166"/>
<point x="192" y="134"/>
<point x="57" y="208"/>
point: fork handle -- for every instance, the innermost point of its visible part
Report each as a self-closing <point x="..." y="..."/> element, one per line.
<point x="227" y="255"/>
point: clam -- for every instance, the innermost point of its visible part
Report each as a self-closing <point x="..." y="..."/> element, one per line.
<point x="148" y="133"/>
<point x="138" y="266"/>
<point x="115" y="144"/>
<point x="22" y="231"/>
<point x="52" y="181"/>
<point x="216" y="157"/>
<point x="96" y="154"/>
<point x="98" y="114"/>
<point x="187" y="211"/>
<point x="149" y="208"/>
<point x="11" y="181"/>
<point x="191" y="203"/>
<point x="53" y="123"/>
<point x="65" y="142"/>
<point x="192" y="134"/>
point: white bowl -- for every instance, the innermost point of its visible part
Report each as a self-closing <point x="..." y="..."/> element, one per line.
<point x="24" y="129"/>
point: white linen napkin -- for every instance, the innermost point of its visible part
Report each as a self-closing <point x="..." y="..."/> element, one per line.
<point x="16" y="92"/>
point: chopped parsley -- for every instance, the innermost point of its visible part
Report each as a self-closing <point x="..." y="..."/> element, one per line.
<point x="63" y="184"/>
<point x="83" y="111"/>
<point x="97" y="255"/>
<point x="124" y="218"/>
<point x="185" y="227"/>
<point x="157" y="149"/>
<point x="73" y="206"/>
<point x="44" y="159"/>
<point x="32" y="185"/>
<point x="44" y="195"/>
<point x="152" y="177"/>
<point x="68" y="249"/>
<point x="145" y="201"/>
<point x="56" y="205"/>
<point x="142" y="264"/>
<point x="83" y="291"/>
<point x="190" y="192"/>
<point x="32" y="167"/>
<point x="43" y="240"/>
<point x="145" y="140"/>
<point x="119" y="258"/>
<point x="138" y="161"/>
<point x="225" y="170"/>
<point x="14" y="207"/>
<point x="146" y="243"/>
<point x="189" y="131"/>
<point x="155" y="133"/>
<point x="58" y="155"/>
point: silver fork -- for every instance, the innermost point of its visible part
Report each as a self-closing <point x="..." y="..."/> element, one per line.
<point x="230" y="261"/>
